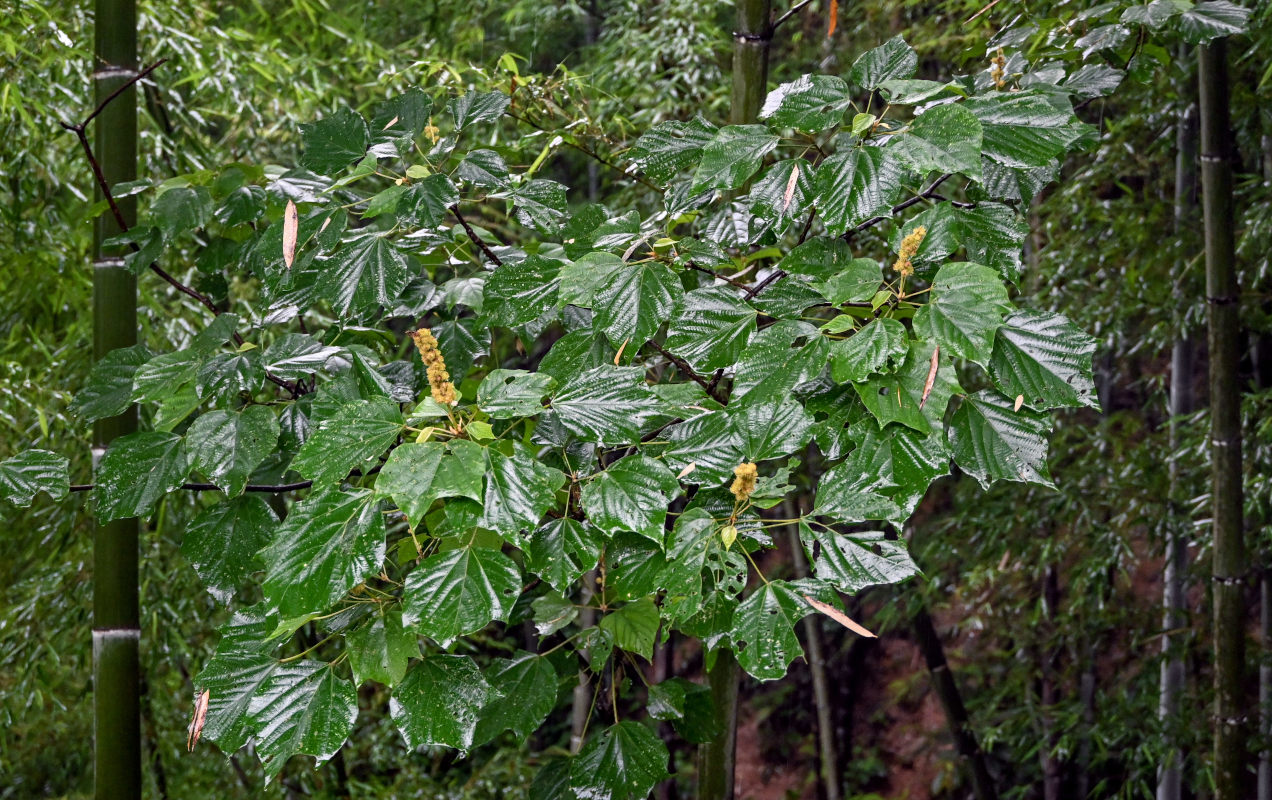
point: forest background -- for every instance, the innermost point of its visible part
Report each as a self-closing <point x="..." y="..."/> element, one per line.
<point x="1047" y="601"/>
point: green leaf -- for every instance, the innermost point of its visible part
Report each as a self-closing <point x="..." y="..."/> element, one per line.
<point x="225" y="376"/>
<point x="110" y="384"/>
<point x="539" y="204"/>
<point x="1025" y="129"/>
<point x="709" y="442"/>
<point x="812" y="103"/>
<point x="227" y="446"/>
<point x="671" y="147"/>
<point x="608" y="405"/>
<point x="329" y="543"/>
<point x="234" y="678"/>
<point x="402" y="118"/>
<point x="382" y="649"/>
<point x="893" y="60"/>
<point x="180" y="209"/>
<point x="473" y="107"/>
<point x="363" y="273"/>
<point x="991" y="441"/>
<point x="483" y="168"/>
<point x="634" y="301"/>
<point x="763" y="629"/>
<point x="845" y="494"/>
<point x="890" y="399"/>
<point x="416" y="474"/>
<point x="561" y="550"/>
<point x="223" y="541"/>
<point x="296" y="355"/>
<point x="733" y="155"/>
<point x="357" y="433"/>
<point x="1212" y="19"/>
<point x="302" y="708"/>
<point x="632" y="494"/>
<point x="459" y="592"/>
<point x="34" y="471"/>
<point x="710" y="328"/>
<point x="522" y="292"/>
<point x="856" y="282"/>
<point x="426" y="202"/>
<point x="160" y="377"/>
<point x="776" y="360"/>
<point x="853" y="561"/>
<point x="506" y="393"/>
<point x="334" y="142"/>
<point x="519" y="491"/>
<point x="622" y="762"/>
<point x="967" y="305"/>
<point x="634" y="627"/>
<point x="137" y="471"/>
<point x="994" y="235"/>
<point x="779" y="198"/>
<point x="773" y="429"/>
<point x="1045" y="360"/>
<point x="877" y="347"/>
<point x="945" y="138"/>
<point x="552" y="612"/>
<point x="820" y="258"/>
<point x="854" y="185"/>
<point x="529" y="683"/>
<point x="440" y="701"/>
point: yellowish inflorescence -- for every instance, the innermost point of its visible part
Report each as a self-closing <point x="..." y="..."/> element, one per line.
<point x="909" y="247"/>
<point x="999" y="71"/>
<point x="743" y="486"/>
<point x="439" y="381"/>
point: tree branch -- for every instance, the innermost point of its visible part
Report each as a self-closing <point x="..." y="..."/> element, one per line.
<point x="790" y="13"/>
<point x="683" y="366"/>
<point x="589" y="153"/>
<point x="208" y="487"/>
<point x="477" y="240"/>
<point x="80" y="131"/>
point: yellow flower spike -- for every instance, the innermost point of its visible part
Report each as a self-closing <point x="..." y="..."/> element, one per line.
<point x="904" y="264"/>
<point x="439" y="382"/>
<point x="745" y="475"/>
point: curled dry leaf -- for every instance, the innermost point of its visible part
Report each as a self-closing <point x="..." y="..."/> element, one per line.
<point x="834" y="18"/>
<point x="199" y="718"/>
<point x="790" y="190"/>
<point x="840" y="617"/>
<point x="291" y="226"/>
<point x="619" y="355"/>
<point x="690" y="467"/>
<point x="1020" y="401"/>
<point x="931" y="378"/>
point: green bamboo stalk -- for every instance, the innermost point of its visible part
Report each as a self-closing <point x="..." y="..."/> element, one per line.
<point x="116" y="670"/>
<point x="751" y="43"/>
<point x="1222" y="296"/>
<point x="1182" y="402"/>
<point x="717" y="759"/>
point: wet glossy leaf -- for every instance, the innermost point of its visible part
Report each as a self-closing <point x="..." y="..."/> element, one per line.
<point x="607" y="405"/>
<point x="508" y="393"/>
<point x="710" y="442"/>
<point x="521" y="292"/>
<point x="631" y="495"/>
<point x="992" y="441"/>
<point x="110" y="384"/>
<point x="945" y="138"/>
<point x="364" y="273"/>
<point x="381" y="649"/>
<point x="773" y="429"/>
<point x="426" y="202"/>
<point x="622" y="762"/>
<point x="561" y="550"/>
<point x="227" y="446"/>
<point x="811" y="103"/>
<point x="854" y="185"/>
<point x="222" y="542"/>
<point x="710" y="328"/>
<point x="874" y="348"/>
<point x="475" y="107"/>
<point x="32" y="471"/>
<point x="1025" y="129"/>
<point x="634" y="301"/>
<point x="356" y="433"/>
<point x="853" y="561"/>
<point x="732" y="156"/>
<point x="459" y="592"/>
<point x="137" y="471"/>
<point x="296" y="355"/>
<point x="764" y="630"/>
<point x="334" y="142"/>
<point x="671" y="147"/>
<point x="329" y="543"/>
<point x="302" y="708"/>
<point x="967" y="305"/>
<point x="634" y="627"/>
<point x="893" y="60"/>
<point x="519" y="491"/>
<point x="416" y="474"/>
<point x="528" y="684"/>
<point x="1045" y="359"/>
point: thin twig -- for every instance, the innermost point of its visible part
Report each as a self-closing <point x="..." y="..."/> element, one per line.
<point x="477" y="240"/>
<point x="927" y="194"/>
<point x="589" y="153"/>
<point x="80" y="131"/>
<point x="208" y="487"/>
<point x="790" y="13"/>
<point x="717" y="276"/>
<point x="684" y="367"/>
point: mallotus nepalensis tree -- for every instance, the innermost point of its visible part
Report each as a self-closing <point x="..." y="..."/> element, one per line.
<point x="837" y="273"/>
